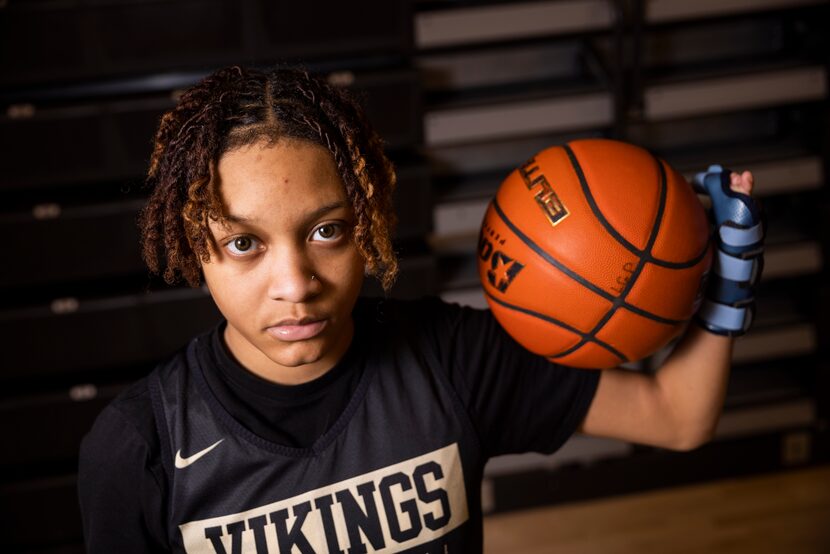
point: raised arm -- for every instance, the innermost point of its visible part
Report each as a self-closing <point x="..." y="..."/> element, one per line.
<point x="678" y="406"/>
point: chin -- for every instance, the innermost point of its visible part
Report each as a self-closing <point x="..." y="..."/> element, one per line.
<point x="303" y="355"/>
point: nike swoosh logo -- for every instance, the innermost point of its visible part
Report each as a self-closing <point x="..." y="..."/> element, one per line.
<point x="182" y="463"/>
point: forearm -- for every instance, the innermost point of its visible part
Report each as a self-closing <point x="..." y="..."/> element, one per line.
<point x="693" y="381"/>
<point x="692" y="384"/>
<point x="678" y="407"/>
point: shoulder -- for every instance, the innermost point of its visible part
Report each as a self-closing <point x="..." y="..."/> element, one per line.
<point x="127" y="421"/>
<point x="427" y="313"/>
<point x="121" y="483"/>
<point x="127" y="425"/>
<point x="447" y="333"/>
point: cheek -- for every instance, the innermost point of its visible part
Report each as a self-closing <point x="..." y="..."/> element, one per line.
<point x="356" y="266"/>
<point x="225" y="289"/>
<point x="345" y="272"/>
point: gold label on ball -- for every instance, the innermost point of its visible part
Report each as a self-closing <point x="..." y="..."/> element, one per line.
<point x="534" y="179"/>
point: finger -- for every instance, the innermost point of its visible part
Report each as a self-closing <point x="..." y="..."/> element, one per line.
<point x="736" y="182"/>
<point x="749" y="179"/>
<point x="742" y="182"/>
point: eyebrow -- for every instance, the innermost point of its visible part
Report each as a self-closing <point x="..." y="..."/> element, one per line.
<point x="311" y="216"/>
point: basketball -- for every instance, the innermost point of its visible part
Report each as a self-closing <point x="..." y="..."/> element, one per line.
<point x="594" y="253"/>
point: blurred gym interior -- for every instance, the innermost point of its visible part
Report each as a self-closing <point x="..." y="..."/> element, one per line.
<point x="462" y="91"/>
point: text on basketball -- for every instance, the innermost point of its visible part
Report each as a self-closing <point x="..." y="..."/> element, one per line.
<point x="548" y="201"/>
<point x="503" y="268"/>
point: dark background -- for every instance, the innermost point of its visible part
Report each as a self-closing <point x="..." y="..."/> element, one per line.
<point x="462" y="92"/>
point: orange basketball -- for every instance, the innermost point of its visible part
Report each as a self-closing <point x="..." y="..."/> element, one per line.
<point x="594" y="253"/>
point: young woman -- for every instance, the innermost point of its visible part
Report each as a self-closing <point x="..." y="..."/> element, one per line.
<point x="311" y="420"/>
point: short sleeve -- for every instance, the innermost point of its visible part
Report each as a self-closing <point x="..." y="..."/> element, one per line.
<point x="518" y="401"/>
<point x="120" y="487"/>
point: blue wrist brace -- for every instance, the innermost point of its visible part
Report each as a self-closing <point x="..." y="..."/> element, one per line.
<point x="729" y="306"/>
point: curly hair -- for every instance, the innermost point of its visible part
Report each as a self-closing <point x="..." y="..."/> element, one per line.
<point x="235" y="107"/>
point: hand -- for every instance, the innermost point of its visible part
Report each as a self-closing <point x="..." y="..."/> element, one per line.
<point x="729" y="306"/>
<point x="742" y="182"/>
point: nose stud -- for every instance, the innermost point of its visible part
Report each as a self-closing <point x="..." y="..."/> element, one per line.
<point x="313" y="277"/>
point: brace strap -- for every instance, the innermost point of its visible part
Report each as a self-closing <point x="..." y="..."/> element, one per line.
<point x="736" y="269"/>
<point x="725" y="320"/>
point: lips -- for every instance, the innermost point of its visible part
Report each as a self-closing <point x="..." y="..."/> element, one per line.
<point x="291" y="330"/>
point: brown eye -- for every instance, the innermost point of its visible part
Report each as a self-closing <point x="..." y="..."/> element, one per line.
<point x="242" y="243"/>
<point x="327" y="231"/>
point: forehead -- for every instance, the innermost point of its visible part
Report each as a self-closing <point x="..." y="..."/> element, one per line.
<point x="286" y="178"/>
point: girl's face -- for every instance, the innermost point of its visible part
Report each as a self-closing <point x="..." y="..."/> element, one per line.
<point x="284" y="270"/>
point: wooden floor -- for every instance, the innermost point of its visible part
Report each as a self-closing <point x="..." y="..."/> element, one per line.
<point x="782" y="513"/>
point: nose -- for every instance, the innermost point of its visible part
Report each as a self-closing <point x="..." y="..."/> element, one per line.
<point x="291" y="278"/>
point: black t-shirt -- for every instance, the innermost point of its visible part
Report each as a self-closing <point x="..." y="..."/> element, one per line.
<point x="516" y="401"/>
<point x="304" y="411"/>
